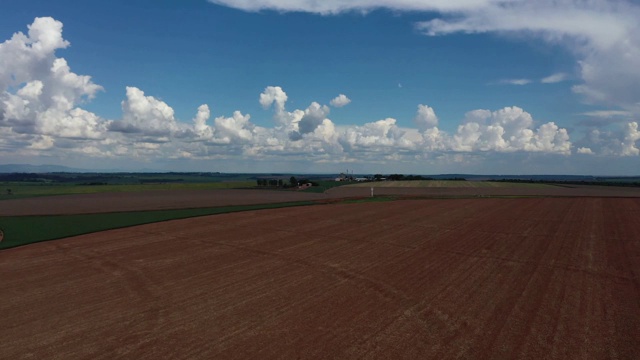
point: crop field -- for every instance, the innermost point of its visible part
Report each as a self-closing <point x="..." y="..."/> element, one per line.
<point x="482" y="278"/>
<point x="147" y="200"/>
<point x="23" y="190"/>
<point x="24" y="230"/>
<point x="450" y="184"/>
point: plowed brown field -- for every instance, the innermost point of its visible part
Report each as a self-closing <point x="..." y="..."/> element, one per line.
<point x="180" y="199"/>
<point x="555" y="278"/>
<point x="147" y="200"/>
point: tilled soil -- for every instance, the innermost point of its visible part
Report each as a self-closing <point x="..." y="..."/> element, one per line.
<point x="181" y="199"/>
<point x="147" y="200"/>
<point x="551" y="190"/>
<point x="543" y="278"/>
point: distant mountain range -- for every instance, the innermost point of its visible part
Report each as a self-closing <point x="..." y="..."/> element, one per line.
<point x="26" y="168"/>
<point x="39" y="169"/>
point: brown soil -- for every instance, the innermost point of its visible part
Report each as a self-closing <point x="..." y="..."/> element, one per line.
<point x="180" y="199"/>
<point x="565" y="190"/>
<point x="555" y="278"/>
<point x="146" y="200"/>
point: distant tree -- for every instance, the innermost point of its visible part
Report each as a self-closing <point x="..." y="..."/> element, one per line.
<point x="417" y="177"/>
<point x="396" y="177"/>
<point x="293" y="181"/>
<point x="280" y="183"/>
<point x="9" y="192"/>
<point x="259" y="181"/>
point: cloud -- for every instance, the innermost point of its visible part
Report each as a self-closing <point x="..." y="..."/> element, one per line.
<point x="551" y="79"/>
<point x="608" y="113"/>
<point x="41" y="115"/>
<point x="200" y="127"/>
<point x="507" y="130"/>
<point x="510" y="129"/>
<point x="39" y="94"/>
<point x="145" y="115"/>
<point x="27" y="55"/>
<point x="314" y="115"/>
<point x="340" y="101"/>
<point x="235" y="129"/>
<point x="555" y="78"/>
<point x="328" y="7"/>
<point x="425" y="118"/>
<point x="381" y="133"/>
<point x="616" y="140"/>
<point x="631" y="136"/>
<point x="287" y="121"/>
<point x="604" y="35"/>
<point x="603" y="118"/>
<point x="584" y="150"/>
<point x="515" y="81"/>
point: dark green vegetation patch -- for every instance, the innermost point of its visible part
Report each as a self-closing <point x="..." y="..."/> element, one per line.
<point x="23" y="230"/>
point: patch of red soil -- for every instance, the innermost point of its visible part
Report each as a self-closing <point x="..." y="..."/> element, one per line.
<point x="146" y="200"/>
<point x="565" y="190"/>
<point x="554" y="278"/>
<point x="182" y="199"/>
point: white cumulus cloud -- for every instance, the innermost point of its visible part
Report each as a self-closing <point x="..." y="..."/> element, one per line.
<point x="39" y="94"/>
<point x="200" y="127"/>
<point x="234" y="129"/>
<point x="340" y="101"/>
<point x="619" y="140"/>
<point x="41" y="115"/>
<point x="507" y="130"/>
<point x="425" y="117"/>
<point x="145" y="115"/>
<point x="631" y="137"/>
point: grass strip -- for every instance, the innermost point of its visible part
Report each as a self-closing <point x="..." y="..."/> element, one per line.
<point x="23" y="230"/>
<point x="323" y="186"/>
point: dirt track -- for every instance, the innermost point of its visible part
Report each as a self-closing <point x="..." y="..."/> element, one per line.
<point x="469" y="278"/>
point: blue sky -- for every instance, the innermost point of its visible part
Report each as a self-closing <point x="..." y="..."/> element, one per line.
<point x="473" y="86"/>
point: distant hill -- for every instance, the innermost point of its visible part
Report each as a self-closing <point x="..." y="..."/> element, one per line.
<point x="528" y="177"/>
<point x="26" y="168"/>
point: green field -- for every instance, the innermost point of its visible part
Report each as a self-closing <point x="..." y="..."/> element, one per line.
<point x="449" y="184"/>
<point x="23" y="230"/>
<point x="323" y="185"/>
<point x="22" y="190"/>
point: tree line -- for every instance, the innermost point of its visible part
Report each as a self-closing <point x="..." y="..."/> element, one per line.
<point x="293" y="182"/>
